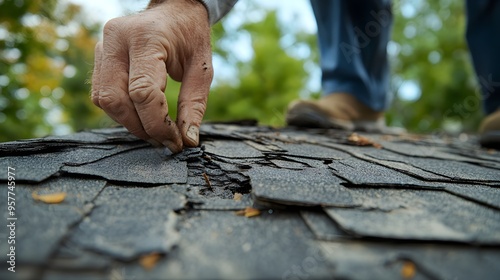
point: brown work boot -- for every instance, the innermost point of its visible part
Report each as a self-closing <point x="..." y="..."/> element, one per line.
<point x="338" y="110"/>
<point x="489" y="131"/>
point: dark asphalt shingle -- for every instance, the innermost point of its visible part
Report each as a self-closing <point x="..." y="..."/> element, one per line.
<point x="420" y="215"/>
<point x="222" y="245"/>
<point x="328" y="208"/>
<point x="143" y="166"/>
<point x="231" y="149"/>
<point x="363" y="173"/>
<point x="39" y="226"/>
<point x="383" y="260"/>
<point x="129" y="221"/>
<point x="307" y="187"/>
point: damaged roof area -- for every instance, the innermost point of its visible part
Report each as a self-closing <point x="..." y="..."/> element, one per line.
<point x="253" y="202"/>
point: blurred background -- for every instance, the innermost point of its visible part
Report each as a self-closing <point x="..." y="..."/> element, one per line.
<point x="265" y="55"/>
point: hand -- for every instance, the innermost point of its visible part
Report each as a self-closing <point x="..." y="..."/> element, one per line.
<point x="133" y="61"/>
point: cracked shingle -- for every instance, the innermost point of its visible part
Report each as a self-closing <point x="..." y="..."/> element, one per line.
<point x="128" y="222"/>
<point x="145" y="166"/>
<point x="40" y="227"/>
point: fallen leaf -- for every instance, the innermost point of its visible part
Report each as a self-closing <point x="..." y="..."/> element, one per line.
<point x="149" y="261"/>
<point x="408" y="270"/>
<point x="237" y="196"/>
<point x="359" y="140"/>
<point x="248" y="212"/>
<point x="52" y="198"/>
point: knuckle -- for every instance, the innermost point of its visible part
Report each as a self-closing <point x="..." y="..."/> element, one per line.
<point x="141" y="90"/>
<point x="113" y="25"/>
<point x="98" y="47"/>
<point x="95" y="99"/>
<point x="151" y="129"/>
<point x="193" y="109"/>
<point x="111" y="103"/>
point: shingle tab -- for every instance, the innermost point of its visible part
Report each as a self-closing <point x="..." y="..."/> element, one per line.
<point x="145" y="166"/>
<point x="128" y="222"/>
<point x="420" y="215"/>
<point x="381" y="260"/>
<point x="307" y="187"/>
<point x="40" y="227"/>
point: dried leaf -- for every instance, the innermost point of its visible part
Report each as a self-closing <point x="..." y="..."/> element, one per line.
<point x="359" y="140"/>
<point x="237" y="196"/>
<point x="408" y="270"/>
<point x="248" y="212"/>
<point x="52" y="198"/>
<point x="240" y="213"/>
<point x="149" y="261"/>
<point x="251" y="212"/>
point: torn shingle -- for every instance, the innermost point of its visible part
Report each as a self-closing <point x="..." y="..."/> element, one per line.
<point x="145" y="166"/>
<point x="43" y="226"/>
<point x="128" y="222"/>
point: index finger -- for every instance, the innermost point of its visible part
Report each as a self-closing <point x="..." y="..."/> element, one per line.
<point x="147" y="82"/>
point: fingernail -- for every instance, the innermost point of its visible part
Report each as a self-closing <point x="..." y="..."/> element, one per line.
<point x="154" y="143"/>
<point x="193" y="134"/>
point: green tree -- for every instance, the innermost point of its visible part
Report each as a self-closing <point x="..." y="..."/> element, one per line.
<point x="261" y="87"/>
<point x="46" y="55"/>
<point x="430" y="51"/>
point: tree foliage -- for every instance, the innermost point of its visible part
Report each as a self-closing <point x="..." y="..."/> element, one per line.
<point x="46" y="56"/>
<point x="430" y="50"/>
<point x="263" y="86"/>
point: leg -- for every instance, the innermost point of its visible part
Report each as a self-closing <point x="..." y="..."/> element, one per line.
<point x="483" y="26"/>
<point x="353" y="37"/>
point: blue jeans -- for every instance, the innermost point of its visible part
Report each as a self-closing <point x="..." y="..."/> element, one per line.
<point x="353" y="37"/>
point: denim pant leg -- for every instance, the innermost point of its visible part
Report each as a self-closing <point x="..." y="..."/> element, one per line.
<point x="483" y="37"/>
<point x="353" y="37"/>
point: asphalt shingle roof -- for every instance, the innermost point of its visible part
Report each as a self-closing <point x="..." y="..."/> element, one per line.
<point x="322" y="205"/>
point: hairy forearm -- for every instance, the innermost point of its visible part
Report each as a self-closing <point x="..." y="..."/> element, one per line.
<point x="217" y="9"/>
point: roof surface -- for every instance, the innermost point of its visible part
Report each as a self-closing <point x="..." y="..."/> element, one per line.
<point x="253" y="202"/>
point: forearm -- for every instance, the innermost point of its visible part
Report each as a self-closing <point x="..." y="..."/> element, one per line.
<point x="217" y="9"/>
